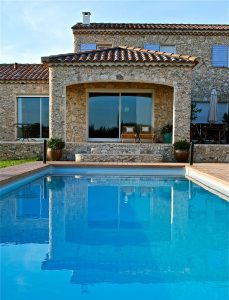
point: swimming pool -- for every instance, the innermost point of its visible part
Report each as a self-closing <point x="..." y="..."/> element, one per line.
<point x="90" y="235"/>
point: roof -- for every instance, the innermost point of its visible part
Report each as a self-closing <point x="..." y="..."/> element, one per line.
<point x="121" y="54"/>
<point x="24" y="72"/>
<point x="135" y="28"/>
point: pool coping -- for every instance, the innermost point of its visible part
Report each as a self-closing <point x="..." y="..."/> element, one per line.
<point x="16" y="172"/>
<point x="204" y="178"/>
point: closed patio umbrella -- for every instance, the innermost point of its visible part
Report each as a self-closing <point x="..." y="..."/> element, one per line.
<point x="212" y="116"/>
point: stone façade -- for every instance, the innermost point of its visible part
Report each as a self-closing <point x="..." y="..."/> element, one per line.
<point x="204" y="76"/>
<point x="63" y="77"/>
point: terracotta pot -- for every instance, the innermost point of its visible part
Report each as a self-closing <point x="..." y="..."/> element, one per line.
<point x="181" y="155"/>
<point x="54" y="154"/>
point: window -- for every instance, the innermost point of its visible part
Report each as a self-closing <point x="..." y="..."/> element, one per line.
<point x="202" y="117"/>
<point x="101" y="46"/>
<point x="87" y="47"/>
<point x="109" y="112"/>
<point x="32" y="117"/>
<point x="94" y="46"/>
<point x="168" y="48"/>
<point x="162" y="48"/>
<point x="220" y="56"/>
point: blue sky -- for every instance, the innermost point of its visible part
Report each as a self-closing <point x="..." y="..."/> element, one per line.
<point x="30" y="29"/>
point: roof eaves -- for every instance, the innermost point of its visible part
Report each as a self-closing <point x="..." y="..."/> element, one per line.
<point x="139" y="28"/>
<point x="24" y="81"/>
<point x="122" y="64"/>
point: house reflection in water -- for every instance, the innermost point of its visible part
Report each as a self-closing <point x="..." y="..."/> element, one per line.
<point x="124" y="232"/>
<point x="24" y="217"/>
<point x="121" y="231"/>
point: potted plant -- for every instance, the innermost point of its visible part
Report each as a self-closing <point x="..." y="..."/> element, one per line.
<point x="167" y="133"/>
<point x="55" y="146"/>
<point x="181" y="150"/>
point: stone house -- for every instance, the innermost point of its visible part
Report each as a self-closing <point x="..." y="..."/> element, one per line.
<point x="86" y="97"/>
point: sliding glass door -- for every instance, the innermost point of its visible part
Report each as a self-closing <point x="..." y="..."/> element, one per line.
<point x="109" y="112"/>
<point x="103" y="116"/>
<point x="136" y="109"/>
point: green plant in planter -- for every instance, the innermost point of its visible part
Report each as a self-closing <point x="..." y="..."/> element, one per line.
<point x="181" y="145"/>
<point x="55" y="146"/>
<point x="167" y="133"/>
<point x="167" y="129"/>
<point x="181" y="150"/>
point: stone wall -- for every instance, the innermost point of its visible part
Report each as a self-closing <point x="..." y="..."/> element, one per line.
<point x="61" y="77"/>
<point x="8" y="104"/>
<point x="128" y="152"/>
<point x="205" y="77"/>
<point x="76" y="106"/>
<point x="20" y="150"/>
<point x="211" y="153"/>
<point x="149" y="152"/>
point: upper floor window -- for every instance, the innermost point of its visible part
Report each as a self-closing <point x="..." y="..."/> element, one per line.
<point x="32" y="117"/>
<point x="101" y="46"/>
<point x="87" y="47"/>
<point x="162" y="48"/>
<point x="220" y="56"/>
<point x="95" y="46"/>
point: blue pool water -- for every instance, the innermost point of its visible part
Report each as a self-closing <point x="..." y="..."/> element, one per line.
<point x="114" y="237"/>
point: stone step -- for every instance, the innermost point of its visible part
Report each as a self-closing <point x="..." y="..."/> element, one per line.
<point x="133" y="149"/>
<point x="147" y="158"/>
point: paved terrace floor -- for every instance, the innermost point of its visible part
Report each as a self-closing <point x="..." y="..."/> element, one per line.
<point x="217" y="171"/>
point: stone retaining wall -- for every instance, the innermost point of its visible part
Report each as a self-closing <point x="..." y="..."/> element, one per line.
<point x="158" y="152"/>
<point x="112" y="151"/>
<point x="211" y="153"/>
<point x="20" y="150"/>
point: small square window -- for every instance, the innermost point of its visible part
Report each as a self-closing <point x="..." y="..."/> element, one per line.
<point x="87" y="47"/>
<point x="168" y="48"/>
<point x="220" y="55"/>
<point x="101" y="46"/>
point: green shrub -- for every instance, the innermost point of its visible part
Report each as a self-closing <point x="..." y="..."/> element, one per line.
<point x="167" y="129"/>
<point x="181" y="145"/>
<point x="194" y="111"/>
<point x="56" y="144"/>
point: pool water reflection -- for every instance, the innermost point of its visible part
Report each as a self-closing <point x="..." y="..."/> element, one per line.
<point x="106" y="237"/>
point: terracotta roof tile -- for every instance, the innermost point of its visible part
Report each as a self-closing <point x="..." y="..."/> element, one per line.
<point x="121" y="54"/>
<point x="174" y="28"/>
<point x="18" y="72"/>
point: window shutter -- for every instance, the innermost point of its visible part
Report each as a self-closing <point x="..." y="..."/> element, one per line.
<point x="168" y="48"/>
<point x="220" y="56"/>
<point x="153" y="47"/>
<point x="87" y="47"/>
